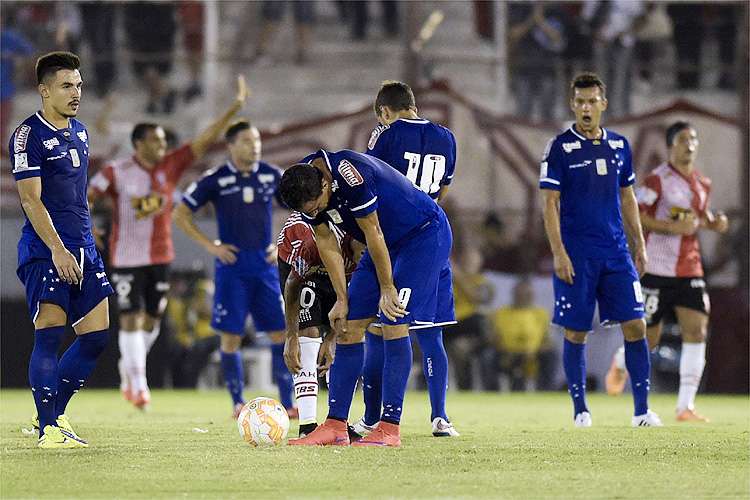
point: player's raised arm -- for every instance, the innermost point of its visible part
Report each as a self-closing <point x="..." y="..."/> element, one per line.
<point x="200" y="144"/>
<point x="30" y="191"/>
<point x="390" y="304"/>
<point x="551" y="213"/>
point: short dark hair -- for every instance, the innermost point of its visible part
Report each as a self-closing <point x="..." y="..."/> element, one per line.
<point x="235" y="128"/>
<point x="587" y="80"/>
<point x="675" y="129"/>
<point x="140" y="130"/>
<point x="299" y="184"/>
<point x="396" y="95"/>
<point x="49" y="64"/>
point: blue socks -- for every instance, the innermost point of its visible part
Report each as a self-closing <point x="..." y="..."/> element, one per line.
<point x="574" y="362"/>
<point x="344" y="373"/>
<point x="77" y="364"/>
<point x="395" y="377"/>
<point x="231" y="366"/>
<point x="638" y="363"/>
<point x="43" y="374"/>
<point x="372" y="375"/>
<point x="281" y="375"/>
<point x="435" y="366"/>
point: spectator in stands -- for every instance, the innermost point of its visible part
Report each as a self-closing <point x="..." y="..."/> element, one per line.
<point x="272" y="11"/>
<point x="614" y="39"/>
<point x="726" y="16"/>
<point x="13" y="47"/>
<point x="687" y="19"/>
<point x="191" y="18"/>
<point x="151" y="28"/>
<point x="519" y="332"/>
<point x="536" y="41"/>
<point x="358" y="12"/>
<point x="652" y="36"/>
<point x="189" y="318"/>
<point x="500" y="251"/>
<point x="99" y="32"/>
<point x="471" y="291"/>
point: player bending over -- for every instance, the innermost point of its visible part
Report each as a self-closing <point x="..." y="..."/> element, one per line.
<point x="674" y="204"/>
<point x="425" y="153"/>
<point x="246" y="279"/>
<point x="57" y="259"/>
<point x="408" y="241"/>
<point x="587" y="179"/>
<point x="308" y="296"/>
<point x="141" y="188"/>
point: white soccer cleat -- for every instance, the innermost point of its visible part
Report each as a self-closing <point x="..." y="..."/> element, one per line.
<point x="442" y="428"/>
<point x="648" y="419"/>
<point x="362" y="429"/>
<point x="583" y="419"/>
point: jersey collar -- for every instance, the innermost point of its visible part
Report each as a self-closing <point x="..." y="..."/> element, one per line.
<point x="412" y="120"/>
<point x="235" y="170"/>
<point x="48" y="124"/>
<point x="602" y="138"/>
<point x="689" y="178"/>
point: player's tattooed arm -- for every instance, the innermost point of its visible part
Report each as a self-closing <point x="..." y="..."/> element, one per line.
<point x="390" y="304"/>
<point x="183" y="218"/>
<point x="30" y="191"/>
<point x="632" y="220"/>
<point x="330" y="253"/>
<point x="563" y="266"/>
<point x="201" y="143"/>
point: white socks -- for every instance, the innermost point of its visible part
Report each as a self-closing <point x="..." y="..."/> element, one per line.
<point x="306" y="381"/>
<point x="620" y="358"/>
<point x="133" y="353"/>
<point x="692" y="362"/>
<point x="150" y="337"/>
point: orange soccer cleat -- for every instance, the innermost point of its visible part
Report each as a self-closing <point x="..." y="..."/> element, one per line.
<point x="142" y="399"/>
<point x="688" y="415"/>
<point x="384" y="434"/>
<point x="331" y="433"/>
<point x="615" y="379"/>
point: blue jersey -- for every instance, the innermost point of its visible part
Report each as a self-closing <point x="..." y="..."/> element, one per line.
<point x="60" y="157"/>
<point x="243" y="202"/>
<point x="589" y="174"/>
<point x="423" y="151"/>
<point x="363" y="184"/>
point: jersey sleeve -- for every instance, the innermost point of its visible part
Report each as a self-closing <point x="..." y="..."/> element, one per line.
<point x="26" y="153"/>
<point x="199" y="192"/>
<point x="648" y="194"/>
<point x="178" y="161"/>
<point x="377" y="145"/>
<point x="450" y="166"/>
<point x="103" y="182"/>
<point x="277" y="192"/>
<point x="297" y="248"/>
<point x="627" y="176"/>
<point x="359" y="187"/>
<point x="551" y="168"/>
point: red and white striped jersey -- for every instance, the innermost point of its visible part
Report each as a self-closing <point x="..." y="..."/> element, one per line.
<point x="142" y="207"/>
<point x="296" y="246"/>
<point x="667" y="194"/>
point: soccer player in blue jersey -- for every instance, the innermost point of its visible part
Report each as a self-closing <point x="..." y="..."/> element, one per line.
<point x="587" y="179"/>
<point x="408" y="241"/>
<point x="246" y="278"/>
<point x="425" y="153"/>
<point x="57" y="260"/>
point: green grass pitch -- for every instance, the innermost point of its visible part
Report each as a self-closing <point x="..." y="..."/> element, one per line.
<point x="511" y="446"/>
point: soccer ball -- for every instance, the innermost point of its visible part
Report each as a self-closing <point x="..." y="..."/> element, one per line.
<point x="263" y="421"/>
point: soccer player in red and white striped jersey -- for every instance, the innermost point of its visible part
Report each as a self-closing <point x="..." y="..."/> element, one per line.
<point x="674" y="206"/>
<point x="141" y="188"/>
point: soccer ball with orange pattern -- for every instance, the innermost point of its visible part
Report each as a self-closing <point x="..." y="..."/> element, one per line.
<point x="262" y="422"/>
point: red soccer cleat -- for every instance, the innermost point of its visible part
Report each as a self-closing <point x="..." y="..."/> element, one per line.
<point x="331" y="433"/>
<point x="293" y="413"/>
<point x="384" y="434"/>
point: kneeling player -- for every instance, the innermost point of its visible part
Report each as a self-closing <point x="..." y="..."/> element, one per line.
<point x="308" y="296"/>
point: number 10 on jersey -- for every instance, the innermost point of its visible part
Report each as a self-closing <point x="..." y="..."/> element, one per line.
<point x="433" y="170"/>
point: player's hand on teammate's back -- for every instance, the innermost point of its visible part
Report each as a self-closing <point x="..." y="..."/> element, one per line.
<point x="564" y="267"/>
<point x="291" y="355"/>
<point x="66" y="265"/>
<point x="337" y="316"/>
<point x="390" y="304"/>
<point x="225" y="252"/>
<point x="326" y="354"/>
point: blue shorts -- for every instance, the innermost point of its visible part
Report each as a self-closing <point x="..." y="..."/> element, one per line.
<point x="240" y="290"/>
<point x="43" y="284"/>
<point x="612" y="283"/>
<point x="420" y="265"/>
